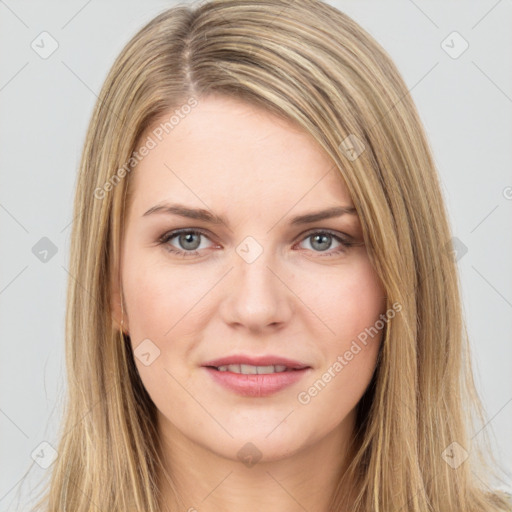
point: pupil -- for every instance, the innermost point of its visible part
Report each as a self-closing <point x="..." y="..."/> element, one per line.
<point x="186" y="240"/>
<point x="317" y="237"/>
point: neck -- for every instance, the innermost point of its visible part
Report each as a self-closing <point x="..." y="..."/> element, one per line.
<point x="206" y="481"/>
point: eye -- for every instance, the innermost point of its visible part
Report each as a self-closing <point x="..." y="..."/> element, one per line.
<point x="189" y="242"/>
<point x="321" y="241"/>
<point x="188" y="239"/>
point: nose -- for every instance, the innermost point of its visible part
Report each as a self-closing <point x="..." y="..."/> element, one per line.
<point x="258" y="296"/>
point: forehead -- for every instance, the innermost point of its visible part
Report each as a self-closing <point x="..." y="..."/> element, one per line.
<point x="227" y="150"/>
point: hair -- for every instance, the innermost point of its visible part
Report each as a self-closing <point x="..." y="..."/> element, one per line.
<point x="312" y="65"/>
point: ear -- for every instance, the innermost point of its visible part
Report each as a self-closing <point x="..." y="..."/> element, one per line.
<point x="116" y="306"/>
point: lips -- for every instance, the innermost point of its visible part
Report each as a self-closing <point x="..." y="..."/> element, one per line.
<point x="256" y="376"/>
<point x="258" y="361"/>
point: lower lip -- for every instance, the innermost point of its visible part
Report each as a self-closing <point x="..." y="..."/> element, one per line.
<point x="257" y="385"/>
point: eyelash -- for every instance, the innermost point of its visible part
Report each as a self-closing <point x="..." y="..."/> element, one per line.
<point x="167" y="237"/>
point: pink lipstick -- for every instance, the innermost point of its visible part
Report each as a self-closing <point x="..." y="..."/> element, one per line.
<point x="256" y="376"/>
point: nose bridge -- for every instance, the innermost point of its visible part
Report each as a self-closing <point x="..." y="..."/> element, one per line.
<point x="252" y="264"/>
<point x="257" y="298"/>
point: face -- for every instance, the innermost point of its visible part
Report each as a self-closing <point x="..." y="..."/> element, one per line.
<point x="261" y="284"/>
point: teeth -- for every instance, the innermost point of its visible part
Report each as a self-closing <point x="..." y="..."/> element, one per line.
<point x="247" y="369"/>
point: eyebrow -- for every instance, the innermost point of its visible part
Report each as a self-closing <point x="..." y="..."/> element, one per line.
<point x="207" y="216"/>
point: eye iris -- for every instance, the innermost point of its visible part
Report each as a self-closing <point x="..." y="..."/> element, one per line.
<point x="185" y="239"/>
<point x="323" y="237"/>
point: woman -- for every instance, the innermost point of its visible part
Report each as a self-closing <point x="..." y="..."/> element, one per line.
<point x="264" y="312"/>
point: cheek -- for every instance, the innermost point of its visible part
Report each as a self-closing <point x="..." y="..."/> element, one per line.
<point x="347" y="301"/>
<point x="350" y="356"/>
<point x="360" y="301"/>
<point x="353" y="311"/>
<point x="158" y="298"/>
<point x="162" y="307"/>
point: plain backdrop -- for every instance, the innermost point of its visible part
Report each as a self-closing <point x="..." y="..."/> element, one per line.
<point x="465" y="102"/>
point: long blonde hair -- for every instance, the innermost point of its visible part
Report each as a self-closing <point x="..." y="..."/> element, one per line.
<point x="312" y="64"/>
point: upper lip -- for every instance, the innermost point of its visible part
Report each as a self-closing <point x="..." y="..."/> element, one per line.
<point x="269" y="360"/>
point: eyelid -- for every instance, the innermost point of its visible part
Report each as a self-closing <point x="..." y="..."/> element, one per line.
<point x="328" y="231"/>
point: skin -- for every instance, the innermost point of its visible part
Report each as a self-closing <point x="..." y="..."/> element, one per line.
<point x="295" y="300"/>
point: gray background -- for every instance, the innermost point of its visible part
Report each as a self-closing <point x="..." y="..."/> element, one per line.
<point x="465" y="104"/>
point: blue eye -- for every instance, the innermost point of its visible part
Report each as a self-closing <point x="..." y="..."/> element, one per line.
<point x="190" y="242"/>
